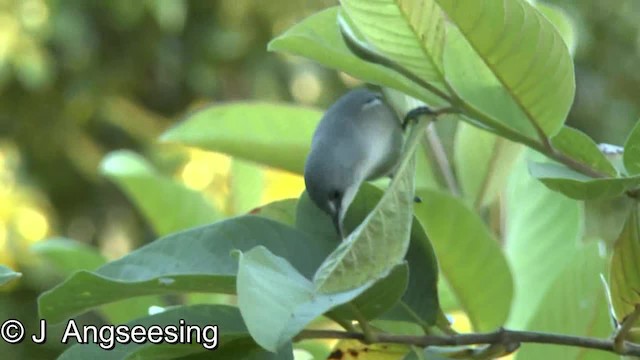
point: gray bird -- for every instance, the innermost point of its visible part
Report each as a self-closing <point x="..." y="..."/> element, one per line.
<point x="359" y="138"/>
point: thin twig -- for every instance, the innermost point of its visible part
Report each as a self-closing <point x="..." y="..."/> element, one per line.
<point x="620" y="336"/>
<point x="440" y="156"/>
<point x="501" y="336"/>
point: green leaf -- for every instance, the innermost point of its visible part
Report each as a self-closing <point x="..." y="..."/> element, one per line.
<point x="578" y="186"/>
<point x="420" y="301"/>
<point x="378" y="298"/>
<point x="583" y="149"/>
<point x="574" y="304"/>
<point x="196" y="260"/>
<point x="631" y="155"/>
<point x="67" y="256"/>
<point x="477" y="84"/>
<point x="413" y="33"/>
<point x="166" y="204"/>
<point x="7" y="275"/>
<point x="318" y="38"/>
<point x="509" y="36"/>
<point x="359" y="259"/>
<point x="228" y="320"/>
<point x="482" y="163"/>
<point x="542" y="230"/>
<point x="563" y="22"/>
<point x="246" y="183"/>
<point x="282" y="211"/>
<point x="624" y="271"/>
<point x="276" y="135"/>
<point x="470" y="258"/>
<point x="276" y="301"/>
<point x="605" y="218"/>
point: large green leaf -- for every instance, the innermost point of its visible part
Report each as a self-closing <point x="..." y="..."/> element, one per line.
<point x="563" y="23"/>
<point x="277" y="135"/>
<point x="409" y="33"/>
<point x="578" y="186"/>
<point x="574" y="304"/>
<point x="166" y="204"/>
<point x="470" y="258"/>
<point x="477" y="84"/>
<point x="7" y="275"/>
<point x="482" y="163"/>
<point x="631" y="156"/>
<point x="420" y="301"/>
<point x="66" y="256"/>
<point x="542" y="229"/>
<point x="359" y="259"/>
<point x="583" y="149"/>
<point x="276" y="301"/>
<point x="196" y="260"/>
<point x="226" y="318"/>
<point x="318" y="38"/>
<point x="524" y="51"/>
<point x="624" y="273"/>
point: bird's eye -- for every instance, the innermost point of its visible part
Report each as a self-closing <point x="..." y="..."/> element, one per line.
<point x="374" y="100"/>
<point x="335" y="195"/>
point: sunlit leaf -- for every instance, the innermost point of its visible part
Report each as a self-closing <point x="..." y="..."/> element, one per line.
<point x="469" y="256"/>
<point x="410" y="33"/>
<point x="277" y="135"/>
<point x="478" y="85"/>
<point x="196" y="260"/>
<point x="318" y="38"/>
<point x="509" y="36"/>
<point x="563" y="23"/>
<point x="168" y="205"/>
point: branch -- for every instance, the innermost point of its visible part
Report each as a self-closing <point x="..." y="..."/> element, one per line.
<point x="508" y="338"/>
<point x="620" y="336"/>
<point x="437" y="150"/>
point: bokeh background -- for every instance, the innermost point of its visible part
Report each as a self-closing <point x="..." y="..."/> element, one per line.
<point x="81" y="78"/>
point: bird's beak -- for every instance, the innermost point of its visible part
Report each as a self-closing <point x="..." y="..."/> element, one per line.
<point x="336" y="221"/>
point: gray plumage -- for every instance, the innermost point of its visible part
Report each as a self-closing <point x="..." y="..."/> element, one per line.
<point x="359" y="138"/>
